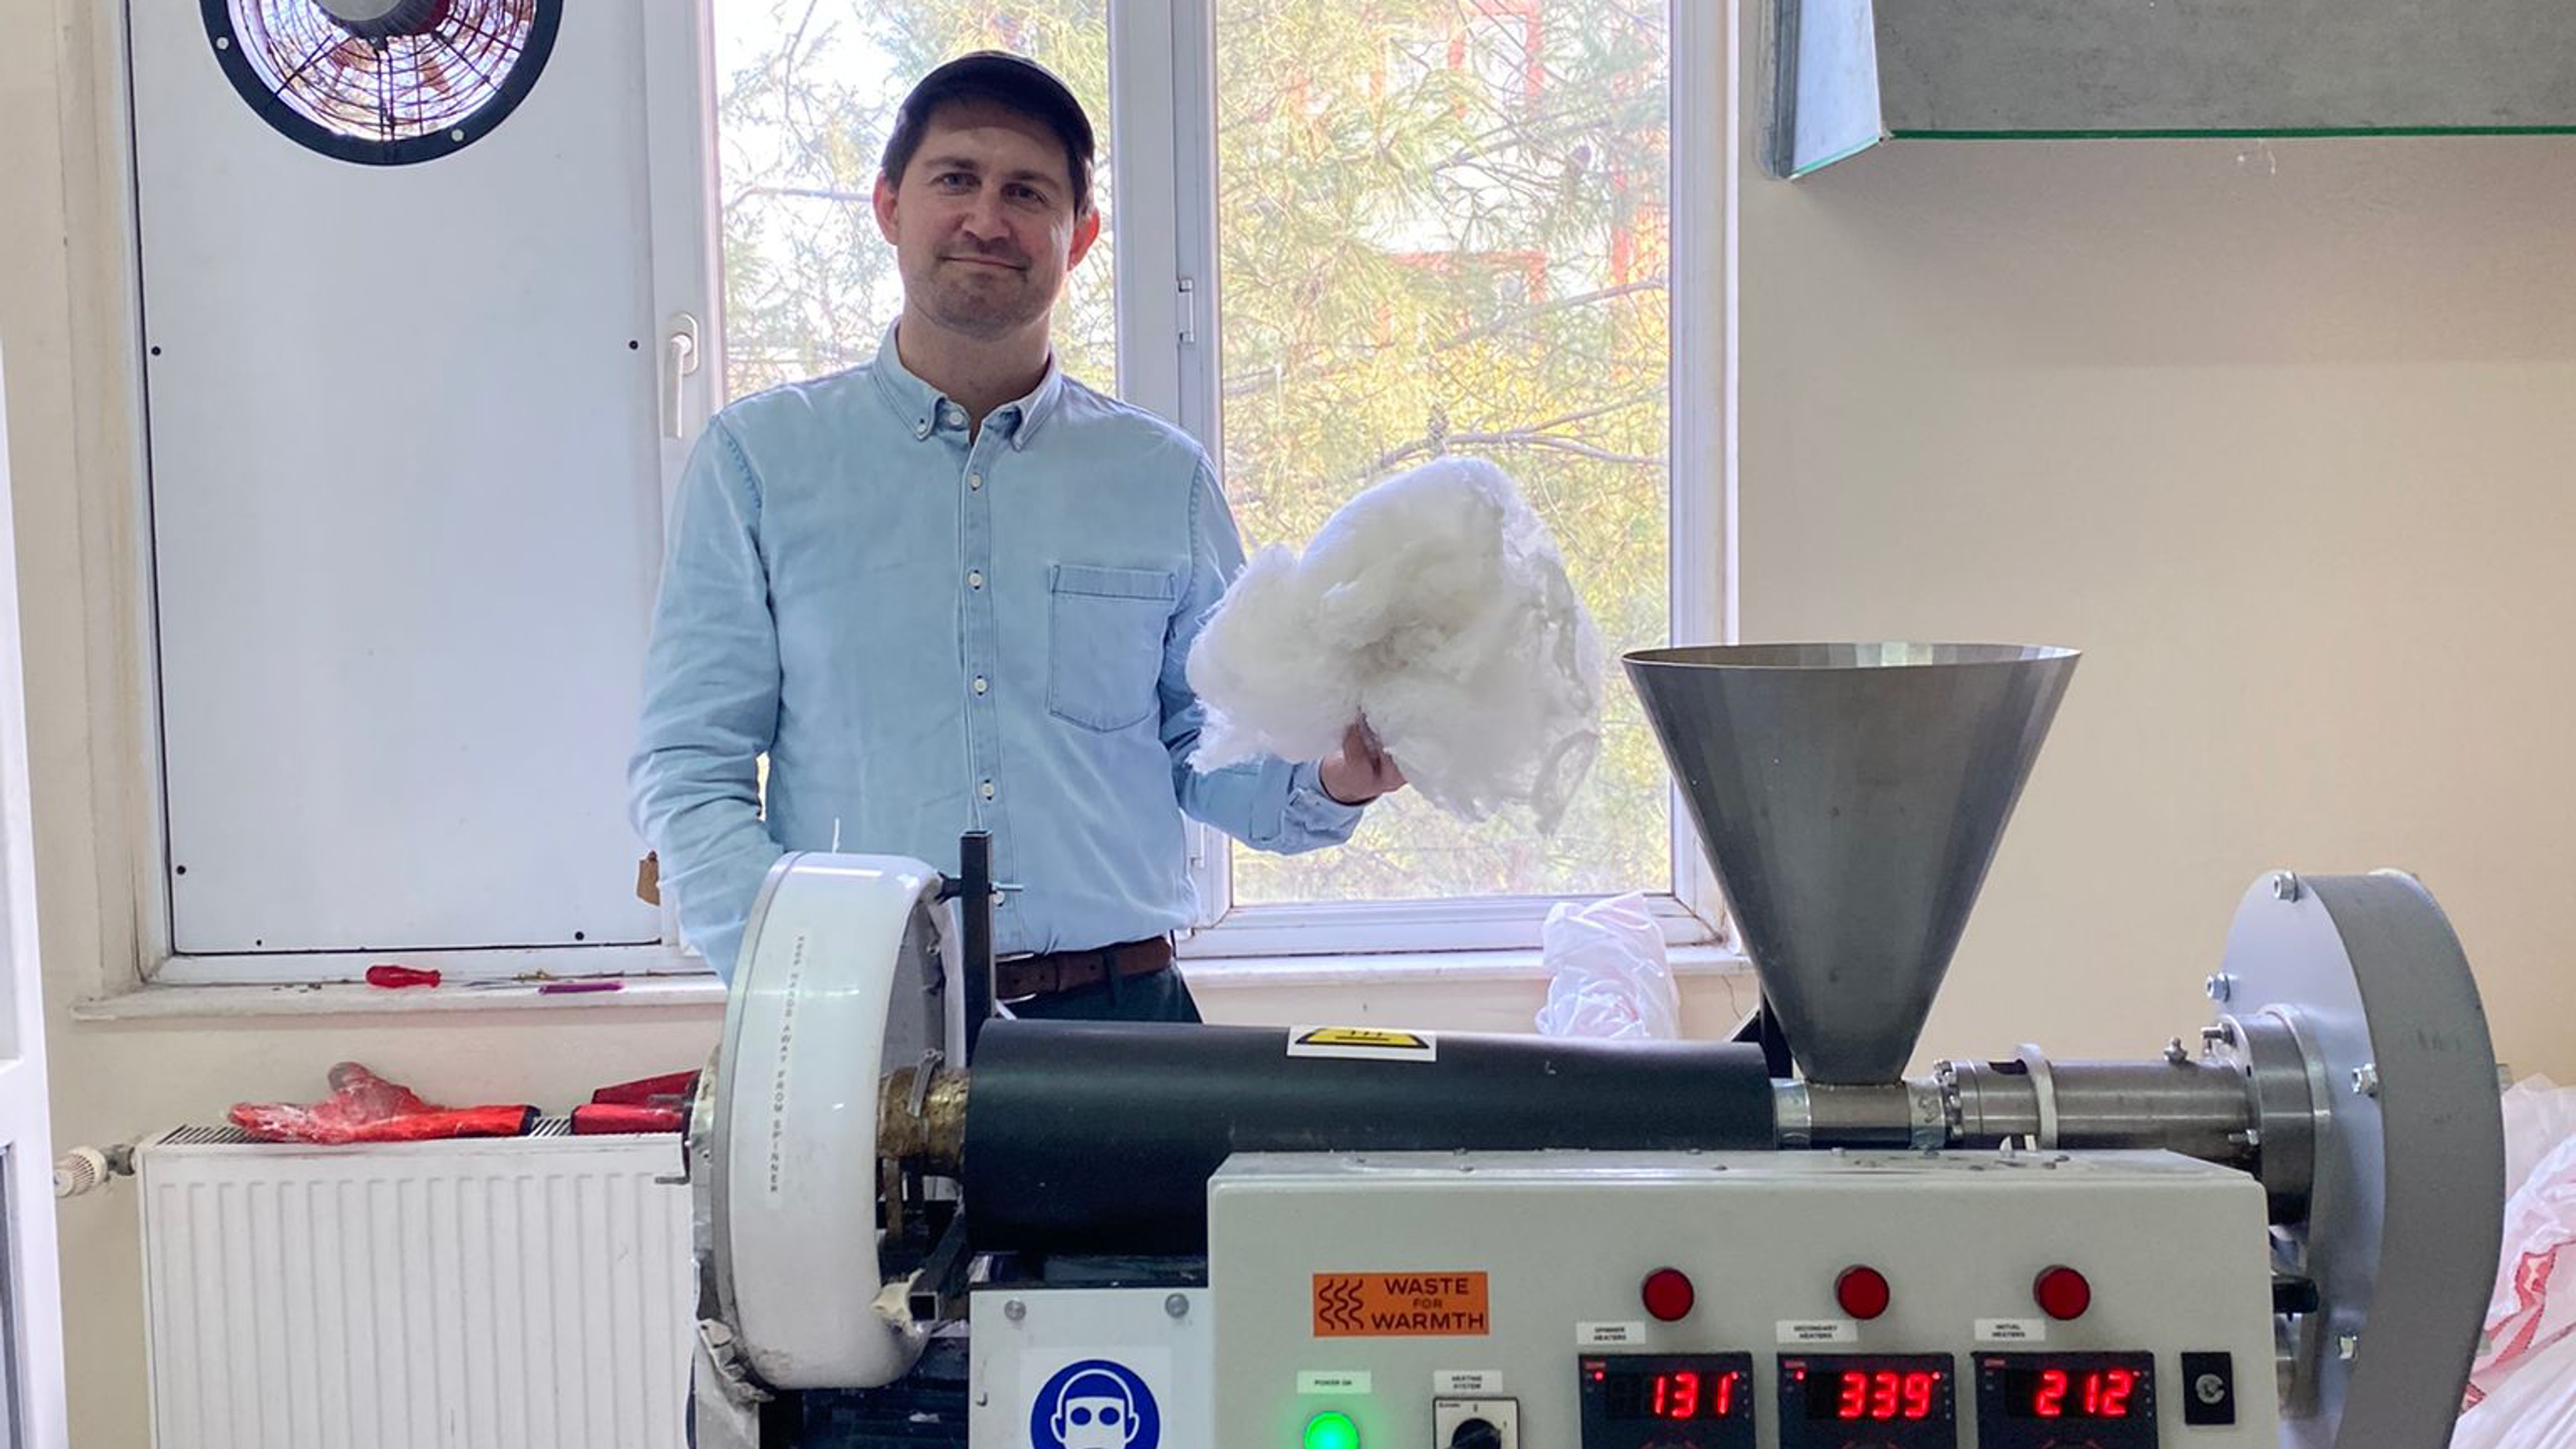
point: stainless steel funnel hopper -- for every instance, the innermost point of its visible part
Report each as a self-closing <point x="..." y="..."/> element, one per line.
<point x="1850" y="796"/>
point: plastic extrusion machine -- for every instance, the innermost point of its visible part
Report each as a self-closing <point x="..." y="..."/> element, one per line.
<point x="1098" y="1236"/>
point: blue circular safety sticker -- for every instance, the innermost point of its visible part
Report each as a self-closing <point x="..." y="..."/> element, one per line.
<point x="1095" y="1404"/>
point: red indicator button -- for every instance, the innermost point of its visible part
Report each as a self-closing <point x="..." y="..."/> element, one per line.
<point x="1669" y="1295"/>
<point x="1862" y="1292"/>
<point x="2062" y="1292"/>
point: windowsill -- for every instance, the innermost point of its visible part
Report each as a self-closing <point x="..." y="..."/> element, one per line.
<point x="160" y="1002"/>
<point x="1374" y="970"/>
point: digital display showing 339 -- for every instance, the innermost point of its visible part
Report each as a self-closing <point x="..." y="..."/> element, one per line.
<point x="1868" y="1401"/>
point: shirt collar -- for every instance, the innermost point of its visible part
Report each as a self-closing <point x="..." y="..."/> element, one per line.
<point x="1040" y="404"/>
<point x="918" y="404"/>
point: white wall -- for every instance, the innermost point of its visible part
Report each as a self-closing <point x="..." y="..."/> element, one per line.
<point x="2284" y="437"/>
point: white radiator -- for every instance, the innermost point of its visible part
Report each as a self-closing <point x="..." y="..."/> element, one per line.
<point x="519" y="1293"/>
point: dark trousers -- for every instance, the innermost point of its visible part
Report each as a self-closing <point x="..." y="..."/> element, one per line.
<point x="1162" y="996"/>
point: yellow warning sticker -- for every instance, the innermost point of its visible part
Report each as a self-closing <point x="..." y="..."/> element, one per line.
<point x="1401" y="1305"/>
<point x="1363" y="1043"/>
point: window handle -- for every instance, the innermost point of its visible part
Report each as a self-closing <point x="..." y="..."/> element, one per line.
<point x="679" y="363"/>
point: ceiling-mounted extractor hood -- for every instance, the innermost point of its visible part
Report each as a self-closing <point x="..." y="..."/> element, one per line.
<point x="1840" y="76"/>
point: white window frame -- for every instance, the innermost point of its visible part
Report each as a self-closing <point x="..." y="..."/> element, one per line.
<point x="1162" y="88"/>
<point x="1163" y="117"/>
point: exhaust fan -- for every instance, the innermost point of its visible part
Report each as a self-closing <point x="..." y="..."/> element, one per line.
<point x="383" y="82"/>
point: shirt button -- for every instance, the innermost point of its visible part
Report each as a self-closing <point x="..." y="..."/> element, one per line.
<point x="988" y="789"/>
<point x="974" y="578"/>
<point x="980" y="687"/>
<point x="922" y="429"/>
<point x="974" y="481"/>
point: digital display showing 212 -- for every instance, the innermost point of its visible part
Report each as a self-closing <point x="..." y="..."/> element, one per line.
<point x="2067" y="1400"/>
<point x="1667" y="1401"/>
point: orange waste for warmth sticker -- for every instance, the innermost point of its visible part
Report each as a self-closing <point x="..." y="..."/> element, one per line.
<point x="1401" y="1305"/>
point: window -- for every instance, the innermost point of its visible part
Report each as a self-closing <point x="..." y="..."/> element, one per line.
<point x="1349" y="237"/>
<point x="1342" y="237"/>
<point x="1440" y="229"/>
<point x="1447" y="225"/>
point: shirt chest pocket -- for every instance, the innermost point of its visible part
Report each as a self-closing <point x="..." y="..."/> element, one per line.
<point x="1105" y="643"/>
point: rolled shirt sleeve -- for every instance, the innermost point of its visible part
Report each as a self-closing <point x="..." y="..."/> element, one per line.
<point x="1268" y="804"/>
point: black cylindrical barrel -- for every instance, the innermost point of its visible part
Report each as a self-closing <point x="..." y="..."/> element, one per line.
<point x="1101" y="1136"/>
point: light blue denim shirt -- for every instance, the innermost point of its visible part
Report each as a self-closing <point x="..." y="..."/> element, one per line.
<point x="928" y="633"/>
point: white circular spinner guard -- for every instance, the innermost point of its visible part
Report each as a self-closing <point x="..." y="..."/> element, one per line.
<point x="840" y="978"/>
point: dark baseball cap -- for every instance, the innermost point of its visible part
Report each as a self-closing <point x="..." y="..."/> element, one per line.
<point x="1013" y="79"/>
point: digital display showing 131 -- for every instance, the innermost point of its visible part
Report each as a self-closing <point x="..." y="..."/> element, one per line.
<point x="1667" y="1401"/>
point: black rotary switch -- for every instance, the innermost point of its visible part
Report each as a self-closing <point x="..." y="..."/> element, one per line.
<point x="1476" y="1434"/>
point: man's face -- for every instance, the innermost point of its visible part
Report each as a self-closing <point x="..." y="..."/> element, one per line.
<point x="983" y="222"/>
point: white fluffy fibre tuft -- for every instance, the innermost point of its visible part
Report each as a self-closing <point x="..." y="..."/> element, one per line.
<point x="1436" y="607"/>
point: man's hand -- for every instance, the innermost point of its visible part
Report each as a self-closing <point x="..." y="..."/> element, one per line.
<point x="1360" y="771"/>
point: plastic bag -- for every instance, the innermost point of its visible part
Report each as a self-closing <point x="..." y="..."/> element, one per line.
<point x="2533" y="1409"/>
<point x="1609" y="977"/>
<point x="364" y="1107"/>
<point x="2522" y="1384"/>
<point x="2538" y="1115"/>
<point x="1435" y="607"/>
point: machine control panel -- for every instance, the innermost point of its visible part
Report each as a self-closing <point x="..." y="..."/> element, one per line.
<point x="1855" y="1300"/>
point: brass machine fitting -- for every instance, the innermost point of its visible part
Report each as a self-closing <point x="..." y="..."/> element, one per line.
<point x="921" y="1118"/>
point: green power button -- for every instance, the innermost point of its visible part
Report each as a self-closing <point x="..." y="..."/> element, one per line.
<point x="1332" y="1431"/>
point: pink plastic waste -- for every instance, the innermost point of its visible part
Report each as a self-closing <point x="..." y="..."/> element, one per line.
<point x="2522" y="1384"/>
<point x="364" y="1107"/>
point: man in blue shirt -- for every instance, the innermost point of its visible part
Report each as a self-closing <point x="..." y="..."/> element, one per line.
<point x="955" y="589"/>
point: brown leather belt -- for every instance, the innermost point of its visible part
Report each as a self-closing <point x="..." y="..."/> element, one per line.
<point x="1022" y="976"/>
